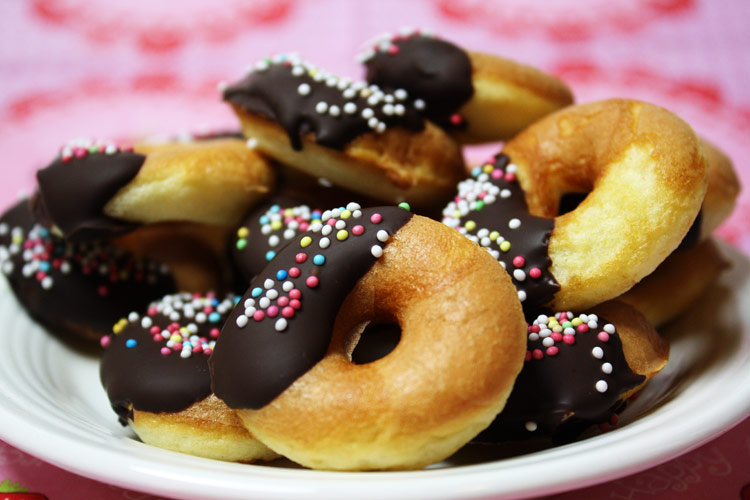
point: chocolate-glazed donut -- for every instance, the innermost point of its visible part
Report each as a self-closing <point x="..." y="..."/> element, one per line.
<point x="285" y="354"/>
<point x="77" y="289"/>
<point x="155" y="372"/>
<point x="579" y="371"/>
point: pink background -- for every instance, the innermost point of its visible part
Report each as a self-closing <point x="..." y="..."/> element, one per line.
<point x="125" y="68"/>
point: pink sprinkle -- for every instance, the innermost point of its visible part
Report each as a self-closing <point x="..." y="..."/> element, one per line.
<point x="510" y="177"/>
<point x="304" y="226"/>
<point x="295" y="293"/>
<point x="103" y="291"/>
<point x="358" y="230"/>
<point x="563" y="317"/>
<point x="79" y="152"/>
<point x="295" y="304"/>
<point x="215" y="333"/>
<point x="528" y="356"/>
<point x="152" y="311"/>
<point x="158" y="337"/>
<point x="66" y="158"/>
<point x="207" y="351"/>
<point x="496" y="174"/>
<point x="198" y="348"/>
<point x="165" y="351"/>
<point x="537" y="354"/>
<point x="294" y="272"/>
<point x="556" y="336"/>
<point x="287" y="312"/>
<point x="155" y="330"/>
<point x="552" y="350"/>
<point x="603" y="336"/>
<point x="283" y="301"/>
<point x="331" y="221"/>
<point x="376" y="218"/>
<point x="456" y="119"/>
<point x="393" y="49"/>
<point x="208" y="310"/>
<point x="312" y="281"/>
<point x="300" y="258"/>
<point x="519" y="261"/>
<point x="533" y="329"/>
<point x="173" y="327"/>
<point x="105" y="341"/>
<point x="583" y="328"/>
<point x="211" y="295"/>
<point x="259" y="315"/>
<point x="272" y="311"/>
<point x="569" y="339"/>
<point x="535" y="272"/>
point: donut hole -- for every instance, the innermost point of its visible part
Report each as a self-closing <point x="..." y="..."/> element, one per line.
<point x="570" y="201"/>
<point x="376" y="340"/>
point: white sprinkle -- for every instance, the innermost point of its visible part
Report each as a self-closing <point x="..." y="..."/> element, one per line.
<point x="201" y="317"/>
<point x="133" y="317"/>
<point x="268" y="283"/>
<point x="192" y="328"/>
<point x="222" y="86"/>
<point x="273" y="240"/>
<point x="505" y="193"/>
<point x="249" y="311"/>
<point x="419" y="104"/>
<point x="514" y="223"/>
<point x="242" y="321"/>
<point x="548" y="342"/>
<point x="357" y="214"/>
<point x="545" y="332"/>
<point x="542" y="319"/>
<point x="373" y="122"/>
<point x="327" y="229"/>
<point x="597" y="352"/>
<point x="321" y="107"/>
<point x="533" y="337"/>
<point x="352" y="206"/>
<point x="607" y="368"/>
<point x="512" y="168"/>
<point x="8" y="267"/>
<point x="272" y="294"/>
<point x="175" y="316"/>
<point x="519" y="275"/>
<point x="325" y="182"/>
<point x="147" y="322"/>
<point x="388" y="109"/>
<point x="47" y="282"/>
<point x="262" y="65"/>
<point x="340" y="224"/>
<point x="380" y="127"/>
<point x="531" y="426"/>
<point x="368" y="113"/>
<point x="349" y="93"/>
<point x="332" y="81"/>
<point x="569" y="331"/>
<point x="3" y="229"/>
<point x="280" y="325"/>
<point x="592" y="324"/>
<point x="265" y="229"/>
<point x="264" y="302"/>
<point x="324" y="242"/>
<point x="287" y="286"/>
<point x="186" y="353"/>
<point x="334" y="110"/>
<point x="609" y="328"/>
<point x="601" y="386"/>
<point x="303" y="89"/>
<point x="289" y="234"/>
<point x="350" y="108"/>
<point x="298" y="70"/>
<point x="252" y="143"/>
<point x="382" y="235"/>
<point x="521" y="295"/>
<point x="400" y="94"/>
<point x="376" y="251"/>
<point x="373" y="100"/>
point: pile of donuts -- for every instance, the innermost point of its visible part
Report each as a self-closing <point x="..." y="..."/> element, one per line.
<point x="334" y="285"/>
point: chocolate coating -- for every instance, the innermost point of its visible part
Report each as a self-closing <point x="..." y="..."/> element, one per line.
<point x="73" y="193"/>
<point x="498" y="205"/>
<point x="255" y="361"/>
<point x="275" y="92"/>
<point x="76" y="289"/>
<point x="558" y="394"/>
<point x="428" y="68"/>
<point x="137" y="375"/>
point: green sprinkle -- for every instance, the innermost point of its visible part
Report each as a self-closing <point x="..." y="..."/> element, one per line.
<point x="480" y="205"/>
<point x="241" y="244"/>
<point x="405" y="206"/>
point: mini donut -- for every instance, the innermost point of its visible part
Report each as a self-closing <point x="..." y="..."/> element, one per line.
<point x="723" y="189"/>
<point x="155" y="372"/>
<point x="645" y="175"/>
<point x="352" y="134"/>
<point x="93" y="190"/>
<point x="74" y="289"/>
<point x="477" y="97"/>
<point x="676" y="283"/>
<point x="283" y="360"/>
<point x="579" y="371"/>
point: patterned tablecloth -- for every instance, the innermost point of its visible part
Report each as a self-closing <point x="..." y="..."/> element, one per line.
<point x="126" y="68"/>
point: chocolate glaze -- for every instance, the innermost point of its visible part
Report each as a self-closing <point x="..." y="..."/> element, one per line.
<point x="494" y="212"/>
<point x="428" y="68"/>
<point x="141" y="377"/>
<point x="73" y="288"/>
<point x="558" y="393"/>
<point x="272" y="91"/>
<point x="254" y="363"/>
<point x="73" y="193"/>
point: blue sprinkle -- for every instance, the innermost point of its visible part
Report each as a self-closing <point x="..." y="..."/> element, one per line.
<point x="45" y="266"/>
<point x="270" y="255"/>
<point x="237" y="300"/>
<point x="44" y="232"/>
<point x="214" y="317"/>
<point x="214" y="302"/>
<point x="281" y="275"/>
<point x="257" y="291"/>
<point x="476" y="171"/>
<point x="317" y="214"/>
<point x="275" y="208"/>
<point x="264" y="219"/>
<point x="319" y="260"/>
<point x="131" y="343"/>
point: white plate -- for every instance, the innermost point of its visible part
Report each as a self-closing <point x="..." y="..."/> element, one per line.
<point x="52" y="406"/>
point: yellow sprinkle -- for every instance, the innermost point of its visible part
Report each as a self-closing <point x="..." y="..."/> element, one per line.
<point x="185" y="332"/>
<point x="505" y="246"/>
<point x="342" y="235"/>
<point x="494" y="235"/>
<point x="313" y="72"/>
<point x="346" y="214"/>
<point x="119" y="326"/>
<point x="305" y="242"/>
<point x="17" y="239"/>
<point x="557" y="328"/>
<point x="577" y="321"/>
<point x="470" y="225"/>
<point x="243" y="232"/>
<point x="288" y="212"/>
<point x="176" y="338"/>
<point x="276" y="225"/>
<point x="488" y="168"/>
<point x="456" y="214"/>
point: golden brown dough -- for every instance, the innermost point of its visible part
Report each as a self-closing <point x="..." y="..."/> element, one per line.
<point x="722" y="192"/>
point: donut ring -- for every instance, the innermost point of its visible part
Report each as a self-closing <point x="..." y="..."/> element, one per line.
<point x="445" y="381"/>
<point x="645" y="175"/>
<point x="579" y="371"/>
<point x="93" y="190"/>
<point x="74" y="289"/>
<point x="477" y="97"/>
<point x="164" y="393"/>
<point x="356" y="136"/>
<point x="723" y="189"/>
